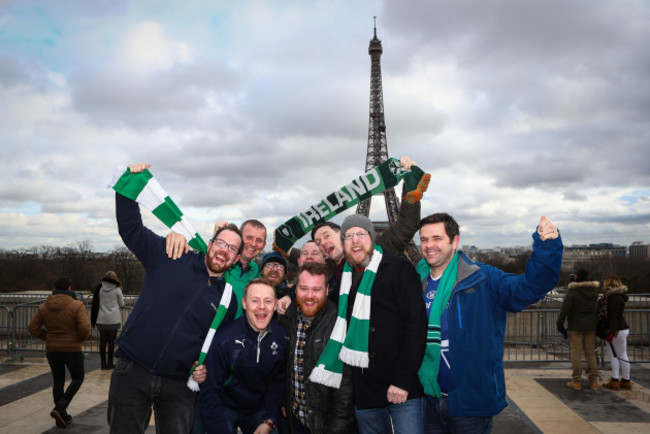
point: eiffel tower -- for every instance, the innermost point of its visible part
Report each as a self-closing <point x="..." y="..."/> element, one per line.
<point x="377" y="151"/>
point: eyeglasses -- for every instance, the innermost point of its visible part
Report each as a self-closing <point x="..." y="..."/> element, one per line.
<point x="361" y="235"/>
<point x="274" y="266"/>
<point x="224" y="245"/>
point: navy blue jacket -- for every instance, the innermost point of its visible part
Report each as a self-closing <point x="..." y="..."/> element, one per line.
<point x="478" y="308"/>
<point x="245" y="373"/>
<point x="176" y="305"/>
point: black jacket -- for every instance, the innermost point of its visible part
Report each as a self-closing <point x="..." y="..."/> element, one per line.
<point x="398" y="331"/>
<point x="616" y="298"/>
<point x="329" y="410"/>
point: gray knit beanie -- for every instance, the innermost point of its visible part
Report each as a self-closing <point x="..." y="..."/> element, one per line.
<point x="358" y="220"/>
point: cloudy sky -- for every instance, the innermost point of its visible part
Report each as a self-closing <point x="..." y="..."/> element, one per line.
<point x="257" y="109"/>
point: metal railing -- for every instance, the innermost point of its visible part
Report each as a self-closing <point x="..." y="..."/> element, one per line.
<point x="15" y="339"/>
<point x="530" y="336"/>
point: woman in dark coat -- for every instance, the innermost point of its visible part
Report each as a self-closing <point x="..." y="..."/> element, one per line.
<point x="615" y="295"/>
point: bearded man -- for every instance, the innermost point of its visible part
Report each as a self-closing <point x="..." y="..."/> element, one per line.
<point x="383" y="335"/>
<point x="164" y="333"/>
<point x="311" y="407"/>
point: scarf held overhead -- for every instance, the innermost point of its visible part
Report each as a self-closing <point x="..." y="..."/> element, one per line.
<point x="349" y="345"/>
<point x="380" y="178"/>
<point x="143" y="188"/>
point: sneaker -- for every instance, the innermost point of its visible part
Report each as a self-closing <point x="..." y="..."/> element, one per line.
<point x="594" y="387"/>
<point x="58" y="418"/>
<point x="574" y="385"/>
<point x="612" y="384"/>
<point x="625" y="384"/>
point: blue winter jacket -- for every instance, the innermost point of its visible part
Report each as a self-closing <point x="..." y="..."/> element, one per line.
<point x="165" y="331"/>
<point x="245" y="373"/>
<point x="478" y="305"/>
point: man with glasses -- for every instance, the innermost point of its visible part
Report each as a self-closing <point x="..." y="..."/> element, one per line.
<point x="274" y="268"/>
<point x="164" y="333"/>
<point x="245" y="269"/>
<point x="394" y="239"/>
<point x="386" y="332"/>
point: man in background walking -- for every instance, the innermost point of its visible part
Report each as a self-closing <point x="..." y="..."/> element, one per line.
<point x="63" y="324"/>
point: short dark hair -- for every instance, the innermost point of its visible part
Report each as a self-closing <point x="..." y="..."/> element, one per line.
<point x="582" y="275"/>
<point x="451" y="226"/>
<point x="253" y="222"/>
<point x="322" y="223"/>
<point x="233" y="228"/>
<point x="259" y="280"/>
<point x="63" y="283"/>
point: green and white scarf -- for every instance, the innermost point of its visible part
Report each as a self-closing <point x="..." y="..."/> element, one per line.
<point x="348" y="345"/>
<point x="380" y="178"/>
<point x="430" y="367"/>
<point x="143" y="188"/>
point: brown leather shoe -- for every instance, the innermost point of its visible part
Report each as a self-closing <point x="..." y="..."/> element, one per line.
<point x="612" y="384"/>
<point x="625" y="384"/>
<point x="594" y="386"/>
<point x="574" y="385"/>
<point x="58" y="418"/>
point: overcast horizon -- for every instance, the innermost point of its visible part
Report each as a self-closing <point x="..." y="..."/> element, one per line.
<point x="258" y="109"/>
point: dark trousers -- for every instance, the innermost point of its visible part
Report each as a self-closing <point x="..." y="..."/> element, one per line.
<point x="107" y="338"/>
<point x="58" y="361"/>
<point x="134" y="391"/>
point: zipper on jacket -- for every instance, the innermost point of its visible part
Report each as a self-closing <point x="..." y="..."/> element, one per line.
<point x="260" y="336"/>
<point x="460" y="318"/>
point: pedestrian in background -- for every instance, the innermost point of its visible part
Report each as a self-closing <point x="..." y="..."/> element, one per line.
<point x="63" y="324"/>
<point x="614" y="298"/>
<point x="579" y="310"/>
<point x="107" y="316"/>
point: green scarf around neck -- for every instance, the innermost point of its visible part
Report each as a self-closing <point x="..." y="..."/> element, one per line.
<point x="348" y="345"/>
<point x="430" y="367"/>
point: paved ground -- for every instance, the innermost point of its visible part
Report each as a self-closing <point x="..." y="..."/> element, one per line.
<point x="539" y="401"/>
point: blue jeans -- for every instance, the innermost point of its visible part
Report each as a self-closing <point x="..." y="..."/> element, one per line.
<point x="132" y="393"/>
<point x="58" y="361"/>
<point x="406" y="418"/>
<point x="437" y="421"/>
<point x="247" y="423"/>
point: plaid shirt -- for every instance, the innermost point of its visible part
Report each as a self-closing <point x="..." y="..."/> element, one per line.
<point x="298" y="375"/>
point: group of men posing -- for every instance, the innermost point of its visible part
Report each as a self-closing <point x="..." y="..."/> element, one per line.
<point x="422" y="347"/>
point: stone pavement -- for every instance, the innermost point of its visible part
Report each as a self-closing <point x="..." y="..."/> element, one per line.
<point x="539" y="401"/>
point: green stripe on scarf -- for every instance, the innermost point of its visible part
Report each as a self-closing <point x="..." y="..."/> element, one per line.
<point x="349" y="345"/>
<point x="430" y="367"/>
<point x="380" y="178"/>
<point x="216" y="322"/>
<point x="143" y="188"/>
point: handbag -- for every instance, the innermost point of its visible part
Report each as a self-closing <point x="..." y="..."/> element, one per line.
<point x="602" y="327"/>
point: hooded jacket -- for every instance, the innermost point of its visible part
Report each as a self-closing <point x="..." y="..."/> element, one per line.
<point x="478" y="307"/>
<point x="579" y="306"/>
<point x="107" y="303"/>
<point x="65" y="320"/>
<point x="616" y="298"/>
